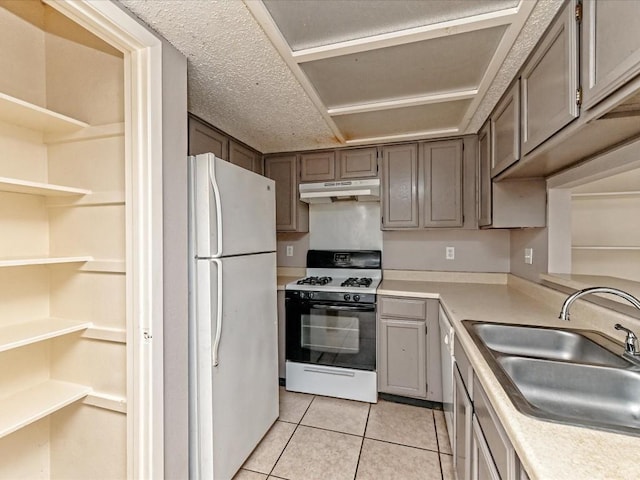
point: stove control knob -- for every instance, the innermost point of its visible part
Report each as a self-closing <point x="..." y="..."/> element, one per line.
<point x="356" y="298"/>
<point x="303" y="294"/>
<point x="347" y="297"/>
<point x="311" y="294"/>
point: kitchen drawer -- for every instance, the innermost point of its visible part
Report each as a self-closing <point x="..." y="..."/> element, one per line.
<point x="504" y="456"/>
<point x="466" y="370"/>
<point x="402" y="307"/>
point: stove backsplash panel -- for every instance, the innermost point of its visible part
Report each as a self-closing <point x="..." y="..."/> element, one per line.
<point x="345" y="225"/>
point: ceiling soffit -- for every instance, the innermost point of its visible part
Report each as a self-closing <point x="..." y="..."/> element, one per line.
<point x="410" y="69"/>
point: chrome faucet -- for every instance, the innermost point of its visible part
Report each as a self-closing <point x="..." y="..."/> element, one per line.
<point x="564" y="312"/>
<point x="631" y="343"/>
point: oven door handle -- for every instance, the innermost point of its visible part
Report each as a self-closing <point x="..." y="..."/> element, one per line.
<point x="343" y="308"/>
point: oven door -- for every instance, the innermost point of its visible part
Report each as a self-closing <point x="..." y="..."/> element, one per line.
<point x="331" y="333"/>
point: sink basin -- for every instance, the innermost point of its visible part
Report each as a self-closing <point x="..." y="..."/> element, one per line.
<point x="549" y="343"/>
<point x="563" y="375"/>
<point x="594" y="396"/>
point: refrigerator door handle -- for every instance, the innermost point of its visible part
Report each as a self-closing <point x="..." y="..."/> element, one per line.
<point x="216" y="196"/>
<point x="216" y="339"/>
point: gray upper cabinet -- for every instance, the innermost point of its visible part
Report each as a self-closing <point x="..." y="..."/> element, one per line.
<point x="441" y="183"/>
<point x="484" y="175"/>
<point x="505" y="131"/>
<point x="244" y="157"/>
<point x="341" y="165"/>
<point x="549" y="82"/>
<point x="358" y="163"/>
<point x="204" y="139"/>
<point x="292" y="215"/>
<point x="317" y="166"/>
<point x="400" y="187"/>
<point x="610" y="46"/>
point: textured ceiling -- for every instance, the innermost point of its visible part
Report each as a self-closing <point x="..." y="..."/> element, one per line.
<point x="239" y="82"/>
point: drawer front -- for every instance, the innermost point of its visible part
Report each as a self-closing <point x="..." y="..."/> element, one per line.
<point x="403" y="307"/>
<point x="502" y="451"/>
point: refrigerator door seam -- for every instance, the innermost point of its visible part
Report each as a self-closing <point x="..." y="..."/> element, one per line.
<point x="216" y="339"/>
<point x="216" y="195"/>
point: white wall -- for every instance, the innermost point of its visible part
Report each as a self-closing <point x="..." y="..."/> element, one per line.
<point x="345" y="225"/>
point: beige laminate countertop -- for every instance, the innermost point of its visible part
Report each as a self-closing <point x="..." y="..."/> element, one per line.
<point x="284" y="279"/>
<point x="547" y="450"/>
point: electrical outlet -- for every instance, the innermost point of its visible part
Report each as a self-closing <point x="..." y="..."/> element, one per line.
<point x="289" y="250"/>
<point x="528" y="256"/>
<point x="450" y="253"/>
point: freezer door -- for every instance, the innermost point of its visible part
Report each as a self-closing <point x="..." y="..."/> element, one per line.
<point x="234" y="209"/>
<point x="236" y="401"/>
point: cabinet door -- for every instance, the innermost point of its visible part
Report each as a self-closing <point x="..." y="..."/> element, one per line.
<point x="204" y="139"/>
<point x="291" y="214"/>
<point x="441" y="183"/>
<point x="401" y="368"/>
<point x="462" y="415"/>
<point x="611" y="47"/>
<point x="244" y="157"/>
<point x="400" y="187"/>
<point x="505" y="131"/>
<point x="317" y="167"/>
<point x="482" y="467"/>
<point x="549" y="82"/>
<point x="484" y="176"/>
<point x="358" y="163"/>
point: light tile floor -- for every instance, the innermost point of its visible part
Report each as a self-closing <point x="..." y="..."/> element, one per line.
<point x="323" y="438"/>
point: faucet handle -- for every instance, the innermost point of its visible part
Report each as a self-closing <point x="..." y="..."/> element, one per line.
<point x="631" y="343"/>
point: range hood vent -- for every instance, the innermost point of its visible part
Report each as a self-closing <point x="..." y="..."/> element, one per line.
<point x="327" y="192"/>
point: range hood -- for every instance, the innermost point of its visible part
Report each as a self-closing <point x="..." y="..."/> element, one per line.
<point x="327" y="192"/>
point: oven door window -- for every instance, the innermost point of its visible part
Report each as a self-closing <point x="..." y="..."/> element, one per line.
<point x="335" y="335"/>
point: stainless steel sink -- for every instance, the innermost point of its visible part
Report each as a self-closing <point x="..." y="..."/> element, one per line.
<point x="576" y="377"/>
<point x="593" y="396"/>
<point x="549" y="343"/>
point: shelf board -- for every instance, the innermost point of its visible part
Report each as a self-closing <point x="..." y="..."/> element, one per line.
<point x="15" y="185"/>
<point x="635" y="193"/>
<point x="602" y="247"/>
<point x="25" y="114"/>
<point x="43" y="260"/>
<point x="19" y="335"/>
<point x="30" y="405"/>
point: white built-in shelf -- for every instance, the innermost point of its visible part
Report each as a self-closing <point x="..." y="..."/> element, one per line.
<point x="21" y="334"/>
<point x="25" y="114"/>
<point x="43" y="260"/>
<point x="30" y="405"/>
<point x="15" y="185"/>
<point x="603" y="247"/>
<point x="633" y="193"/>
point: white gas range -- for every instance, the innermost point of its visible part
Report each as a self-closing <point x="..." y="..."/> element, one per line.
<point x="331" y="325"/>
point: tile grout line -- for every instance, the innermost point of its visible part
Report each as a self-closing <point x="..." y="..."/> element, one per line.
<point x="362" y="442"/>
<point x="292" y="434"/>
<point x="435" y="429"/>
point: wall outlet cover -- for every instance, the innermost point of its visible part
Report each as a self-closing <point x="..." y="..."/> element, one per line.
<point x="289" y="250"/>
<point x="528" y="256"/>
<point x="450" y="253"/>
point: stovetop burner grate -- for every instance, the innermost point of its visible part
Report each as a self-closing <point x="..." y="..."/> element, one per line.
<point x="314" y="281"/>
<point x="357" y="282"/>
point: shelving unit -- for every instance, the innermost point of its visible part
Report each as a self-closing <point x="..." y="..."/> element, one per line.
<point x="32" y="404"/>
<point x="64" y="295"/>
<point x="21" y="334"/>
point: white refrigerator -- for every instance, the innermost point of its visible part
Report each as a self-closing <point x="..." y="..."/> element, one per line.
<point x="233" y="363"/>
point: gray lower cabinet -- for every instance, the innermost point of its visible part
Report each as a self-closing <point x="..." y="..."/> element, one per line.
<point x="549" y="82"/>
<point x="610" y="47"/>
<point x="408" y="348"/>
<point x="292" y="215"/>
<point x="481" y="448"/>
<point x="204" y="139"/>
